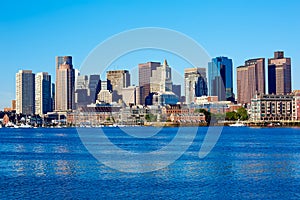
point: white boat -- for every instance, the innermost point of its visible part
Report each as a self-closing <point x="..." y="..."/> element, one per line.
<point x="0" y="125"/>
<point x="237" y="124"/>
<point x="25" y="126"/>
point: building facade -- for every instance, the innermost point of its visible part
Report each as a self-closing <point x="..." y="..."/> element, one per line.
<point x="87" y="89"/>
<point x="195" y="82"/>
<point x="220" y="81"/>
<point x="176" y="89"/>
<point x="164" y="98"/>
<point x="25" y="92"/>
<point x="105" y="96"/>
<point x="65" y="84"/>
<point x="131" y="95"/>
<point x="161" y="79"/>
<point x="272" y="107"/>
<point x="145" y="73"/>
<point x="279" y="74"/>
<point x="250" y="80"/>
<point x="118" y="79"/>
<point x="43" y="96"/>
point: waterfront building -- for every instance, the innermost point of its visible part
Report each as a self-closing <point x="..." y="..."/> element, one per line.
<point x="188" y="118"/>
<point x="65" y="84"/>
<point x="220" y="81"/>
<point x="43" y="93"/>
<point x="296" y="105"/>
<point x="25" y="92"/>
<point x="250" y="80"/>
<point x="213" y="105"/>
<point x="195" y="82"/>
<point x="161" y="79"/>
<point x="133" y="115"/>
<point x="272" y="107"/>
<point x="279" y="74"/>
<point x="145" y="73"/>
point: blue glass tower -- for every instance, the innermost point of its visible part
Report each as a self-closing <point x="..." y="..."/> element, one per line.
<point x="220" y="81"/>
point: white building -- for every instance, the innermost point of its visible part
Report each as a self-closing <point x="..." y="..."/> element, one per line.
<point x="195" y="83"/>
<point x="161" y="79"/>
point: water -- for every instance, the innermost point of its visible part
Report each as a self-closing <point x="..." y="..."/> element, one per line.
<point x="246" y="163"/>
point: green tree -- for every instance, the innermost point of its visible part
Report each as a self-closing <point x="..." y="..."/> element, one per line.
<point x="242" y="113"/>
<point x="150" y="117"/>
<point x="205" y="112"/>
<point x="232" y="116"/>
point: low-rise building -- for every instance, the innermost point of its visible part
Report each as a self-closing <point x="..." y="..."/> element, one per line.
<point x="296" y="104"/>
<point x="272" y="107"/>
<point x="188" y="118"/>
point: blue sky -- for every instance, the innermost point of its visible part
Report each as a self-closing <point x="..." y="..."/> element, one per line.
<point x="34" y="32"/>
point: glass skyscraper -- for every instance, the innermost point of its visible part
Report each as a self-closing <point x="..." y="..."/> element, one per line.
<point x="220" y="81"/>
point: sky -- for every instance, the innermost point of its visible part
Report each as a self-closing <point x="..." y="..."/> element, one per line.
<point x="34" y="32"/>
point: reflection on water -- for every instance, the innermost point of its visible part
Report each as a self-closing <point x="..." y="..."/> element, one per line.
<point x="245" y="164"/>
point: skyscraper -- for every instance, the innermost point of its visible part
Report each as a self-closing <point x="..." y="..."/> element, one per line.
<point x="195" y="82"/>
<point x="65" y="82"/>
<point x="145" y="72"/>
<point x="161" y="79"/>
<point x="25" y="92"/>
<point x="42" y="93"/>
<point x="279" y="74"/>
<point x="86" y="89"/>
<point x="220" y="78"/>
<point x="118" y="79"/>
<point x="176" y="89"/>
<point x="250" y="80"/>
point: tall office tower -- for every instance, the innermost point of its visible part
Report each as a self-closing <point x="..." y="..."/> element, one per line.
<point x="250" y="80"/>
<point x="195" y="82"/>
<point x="145" y="72"/>
<point x="220" y="78"/>
<point x="279" y="74"/>
<point x="94" y="87"/>
<point x="25" y="92"/>
<point x="42" y="93"/>
<point x="105" y="85"/>
<point x="176" y="89"/>
<point x="81" y="91"/>
<point x="86" y="90"/>
<point x="53" y="96"/>
<point x="65" y="82"/>
<point x="161" y="79"/>
<point x="118" y="79"/>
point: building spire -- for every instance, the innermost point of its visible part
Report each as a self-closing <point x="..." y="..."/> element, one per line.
<point x="165" y="63"/>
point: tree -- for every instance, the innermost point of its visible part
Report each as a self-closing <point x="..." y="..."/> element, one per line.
<point x="242" y="113"/>
<point x="150" y="117"/>
<point x="232" y="116"/>
<point x="205" y="112"/>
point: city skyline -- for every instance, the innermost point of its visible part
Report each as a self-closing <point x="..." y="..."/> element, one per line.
<point x="82" y="90"/>
<point x="35" y="47"/>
